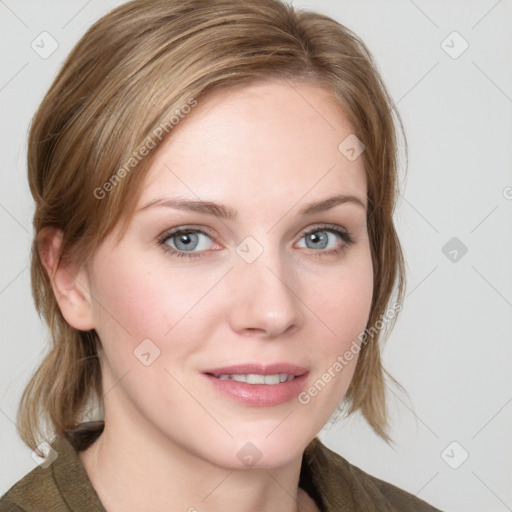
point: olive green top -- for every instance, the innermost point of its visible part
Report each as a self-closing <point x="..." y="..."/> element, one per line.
<point x="334" y="483"/>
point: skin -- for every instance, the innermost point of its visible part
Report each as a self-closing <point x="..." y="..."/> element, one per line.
<point x="265" y="150"/>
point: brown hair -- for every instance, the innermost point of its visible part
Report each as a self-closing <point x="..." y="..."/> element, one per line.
<point x="126" y="78"/>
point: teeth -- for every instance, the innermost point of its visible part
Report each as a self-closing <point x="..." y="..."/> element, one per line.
<point x="258" y="379"/>
<point x="271" y="379"/>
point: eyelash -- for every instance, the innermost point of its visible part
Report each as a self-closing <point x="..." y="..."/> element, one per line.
<point x="332" y="228"/>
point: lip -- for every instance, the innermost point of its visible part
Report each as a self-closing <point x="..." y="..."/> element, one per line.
<point x="270" y="369"/>
<point x="259" y="395"/>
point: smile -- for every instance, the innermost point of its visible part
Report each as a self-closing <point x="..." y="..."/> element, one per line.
<point x="253" y="378"/>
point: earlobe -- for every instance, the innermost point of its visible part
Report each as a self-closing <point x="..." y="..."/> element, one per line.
<point x="70" y="285"/>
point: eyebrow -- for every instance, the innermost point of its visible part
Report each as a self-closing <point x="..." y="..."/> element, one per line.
<point x="226" y="212"/>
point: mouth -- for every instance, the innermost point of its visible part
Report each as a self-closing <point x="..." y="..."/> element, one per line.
<point x="254" y="378"/>
<point x="254" y="373"/>
<point x="259" y="385"/>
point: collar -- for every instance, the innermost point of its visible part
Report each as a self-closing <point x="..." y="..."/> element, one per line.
<point x="72" y="480"/>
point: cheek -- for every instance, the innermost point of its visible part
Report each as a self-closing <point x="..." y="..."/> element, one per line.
<point x="127" y="303"/>
<point x="344" y="302"/>
<point x="136" y="300"/>
<point x="162" y="305"/>
<point x="344" y="306"/>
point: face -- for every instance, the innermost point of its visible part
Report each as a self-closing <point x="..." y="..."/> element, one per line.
<point x="275" y="290"/>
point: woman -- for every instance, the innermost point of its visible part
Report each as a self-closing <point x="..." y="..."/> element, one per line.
<point x="214" y="255"/>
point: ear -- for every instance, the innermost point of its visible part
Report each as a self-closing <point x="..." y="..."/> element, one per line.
<point x="70" y="285"/>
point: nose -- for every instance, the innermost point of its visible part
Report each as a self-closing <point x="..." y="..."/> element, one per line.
<point x="265" y="301"/>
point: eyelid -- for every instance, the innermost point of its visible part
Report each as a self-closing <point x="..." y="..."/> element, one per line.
<point x="186" y="228"/>
<point x="323" y="226"/>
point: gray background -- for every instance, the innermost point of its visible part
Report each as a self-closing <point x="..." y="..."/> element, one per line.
<point x="451" y="345"/>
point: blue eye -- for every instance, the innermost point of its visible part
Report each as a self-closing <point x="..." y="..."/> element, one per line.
<point x="184" y="241"/>
<point x="320" y="238"/>
<point x="193" y="243"/>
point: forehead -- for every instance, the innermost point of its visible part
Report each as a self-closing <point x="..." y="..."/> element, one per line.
<point x="255" y="145"/>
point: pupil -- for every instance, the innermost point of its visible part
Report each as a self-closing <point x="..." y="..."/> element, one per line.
<point x="185" y="241"/>
<point x="319" y="239"/>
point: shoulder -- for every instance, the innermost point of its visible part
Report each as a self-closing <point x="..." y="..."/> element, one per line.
<point x="398" y="498"/>
<point x="35" y="491"/>
<point x="61" y="486"/>
<point x="343" y="486"/>
<point x="6" y="505"/>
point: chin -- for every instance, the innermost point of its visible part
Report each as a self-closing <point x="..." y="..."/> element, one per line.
<point x="263" y="448"/>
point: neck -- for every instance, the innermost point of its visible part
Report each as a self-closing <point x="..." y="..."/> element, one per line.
<point x="157" y="472"/>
